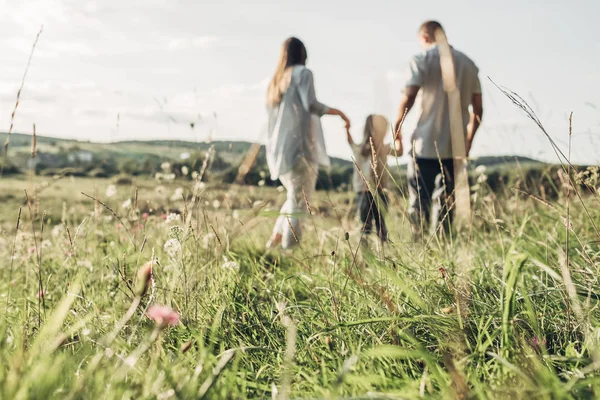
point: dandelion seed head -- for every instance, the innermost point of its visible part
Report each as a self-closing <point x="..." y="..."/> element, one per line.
<point x="111" y="190"/>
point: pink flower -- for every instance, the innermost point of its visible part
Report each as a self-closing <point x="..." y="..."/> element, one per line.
<point x="163" y="216"/>
<point x="163" y="315"/>
<point x="537" y="342"/>
<point x="145" y="216"/>
<point x="41" y="294"/>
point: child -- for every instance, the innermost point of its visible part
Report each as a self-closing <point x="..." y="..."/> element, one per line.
<point x="370" y="173"/>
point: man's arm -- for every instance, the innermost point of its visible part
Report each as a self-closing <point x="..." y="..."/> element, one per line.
<point x="407" y="101"/>
<point x="475" y="120"/>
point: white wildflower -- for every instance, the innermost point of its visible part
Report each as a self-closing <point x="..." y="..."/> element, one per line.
<point x="261" y="183"/>
<point x="482" y="178"/>
<point x="195" y="175"/>
<point x="126" y="204"/>
<point x="169" y="177"/>
<point x="172" y="247"/>
<point x="173" y="218"/>
<point x="263" y="174"/>
<point x="199" y="186"/>
<point x="231" y="265"/>
<point x="178" y="195"/>
<point x="236" y="214"/>
<point x="216" y="204"/>
<point x="46" y="244"/>
<point x="111" y="190"/>
<point x="166" y="166"/>
<point x="185" y="170"/>
<point x="481" y="169"/>
<point x="57" y="230"/>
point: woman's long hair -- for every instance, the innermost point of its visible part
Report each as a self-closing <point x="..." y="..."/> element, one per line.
<point x="293" y="53"/>
<point x="372" y="147"/>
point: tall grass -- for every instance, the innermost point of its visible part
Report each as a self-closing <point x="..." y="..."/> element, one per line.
<point x="324" y="321"/>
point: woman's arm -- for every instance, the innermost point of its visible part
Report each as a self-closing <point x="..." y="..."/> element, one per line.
<point x="335" y="111"/>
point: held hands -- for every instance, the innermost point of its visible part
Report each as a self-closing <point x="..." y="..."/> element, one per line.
<point x="346" y="120"/>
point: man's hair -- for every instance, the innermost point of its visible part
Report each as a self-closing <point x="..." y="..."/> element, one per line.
<point x="429" y="28"/>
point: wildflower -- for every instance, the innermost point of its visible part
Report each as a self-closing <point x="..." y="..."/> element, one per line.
<point x="169" y="177"/>
<point x="236" y="214"/>
<point x="261" y="183"/>
<point x="537" y="342"/>
<point x="195" y="175"/>
<point x="199" y="186"/>
<point x="172" y="247"/>
<point x="231" y="265"/>
<point x="46" y="244"/>
<point x="126" y="204"/>
<point x="41" y="294"/>
<point x="163" y="316"/>
<point x="216" y="204"/>
<point x="173" y="217"/>
<point x="185" y="170"/>
<point x="480" y="169"/>
<point x="56" y="231"/>
<point x="166" y="166"/>
<point x="111" y="190"/>
<point x="178" y="195"/>
<point x="143" y="279"/>
<point x="145" y="216"/>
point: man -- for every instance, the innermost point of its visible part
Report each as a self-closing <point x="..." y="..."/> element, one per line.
<point x="431" y="169"/>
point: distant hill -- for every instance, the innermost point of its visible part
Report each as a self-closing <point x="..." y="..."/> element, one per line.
<point x="67" y="156"/>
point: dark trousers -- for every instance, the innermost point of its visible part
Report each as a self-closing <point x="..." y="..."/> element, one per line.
<point x="371" y="208"/>
<point x="430" y="187"/>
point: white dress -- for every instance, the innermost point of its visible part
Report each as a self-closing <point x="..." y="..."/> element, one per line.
<point x="295" y="149"/>
<point x="295" y="130"/>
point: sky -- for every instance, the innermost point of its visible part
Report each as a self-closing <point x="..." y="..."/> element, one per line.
<point x="144" y="69"/>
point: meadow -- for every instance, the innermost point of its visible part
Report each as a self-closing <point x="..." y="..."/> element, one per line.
<point x="164" y="290"/>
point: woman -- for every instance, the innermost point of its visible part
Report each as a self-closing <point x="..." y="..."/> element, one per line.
<point x="295" y="144"/>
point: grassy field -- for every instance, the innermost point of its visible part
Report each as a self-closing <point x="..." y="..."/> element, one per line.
<point x="506" y="309"/>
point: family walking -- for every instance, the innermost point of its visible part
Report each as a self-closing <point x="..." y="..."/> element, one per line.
<point x="296" y="146"/>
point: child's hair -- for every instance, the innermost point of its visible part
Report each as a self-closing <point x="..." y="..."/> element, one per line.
<point x="374" y="133"/>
